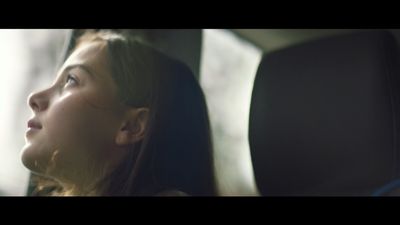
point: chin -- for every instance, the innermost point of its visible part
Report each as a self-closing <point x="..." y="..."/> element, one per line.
<point x="31" y="159"/>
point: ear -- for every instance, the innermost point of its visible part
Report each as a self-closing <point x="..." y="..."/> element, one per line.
<point x="133" y="127"/>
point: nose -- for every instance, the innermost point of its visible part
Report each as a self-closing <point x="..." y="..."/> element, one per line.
<point x="38" y="101"/>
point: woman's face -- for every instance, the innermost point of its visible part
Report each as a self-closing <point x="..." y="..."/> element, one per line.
<point x="71" y="136"/>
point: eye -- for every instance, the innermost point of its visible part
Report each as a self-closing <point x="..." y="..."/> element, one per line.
<point x="71" y="80"/>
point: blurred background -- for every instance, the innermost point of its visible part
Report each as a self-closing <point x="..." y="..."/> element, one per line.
<point x="28" y="60"/>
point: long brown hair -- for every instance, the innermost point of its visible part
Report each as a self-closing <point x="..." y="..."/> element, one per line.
<point x="176" y="152"/>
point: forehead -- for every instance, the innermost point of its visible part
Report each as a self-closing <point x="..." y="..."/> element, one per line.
<point x="93" y="55"/>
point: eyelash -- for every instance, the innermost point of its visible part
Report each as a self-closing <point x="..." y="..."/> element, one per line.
<point x="71" y="77"/>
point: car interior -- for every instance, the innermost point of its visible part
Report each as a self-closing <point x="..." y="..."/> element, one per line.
<point x="324" y="117"/>
<point x="322" y="111"/>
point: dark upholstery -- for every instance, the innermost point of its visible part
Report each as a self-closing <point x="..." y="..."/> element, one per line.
<point x="324" y="117"/>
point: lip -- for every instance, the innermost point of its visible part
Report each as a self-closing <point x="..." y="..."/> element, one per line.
<point x="33" y="124"/>
<point x="33" y="127"/>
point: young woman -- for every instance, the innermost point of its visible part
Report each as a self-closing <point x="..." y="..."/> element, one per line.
<point x="120" y="119"/>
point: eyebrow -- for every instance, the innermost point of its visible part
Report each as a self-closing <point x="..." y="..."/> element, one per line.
<point x="81" y="66"/>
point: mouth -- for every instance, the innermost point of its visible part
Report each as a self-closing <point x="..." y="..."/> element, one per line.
<point x="33" y="126"/>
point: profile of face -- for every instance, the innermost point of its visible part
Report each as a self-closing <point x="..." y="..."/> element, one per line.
<point x="80" y="130"/>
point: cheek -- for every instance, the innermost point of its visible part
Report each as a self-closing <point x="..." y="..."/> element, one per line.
<point x="75" y="135"/>
<point x="70" y="121"/>
<point x="75" y="124"/>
